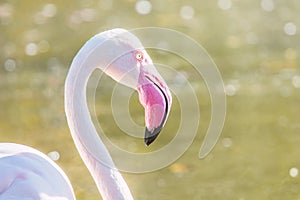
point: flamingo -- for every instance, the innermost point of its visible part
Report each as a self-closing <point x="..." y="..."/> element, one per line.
<point x="26" y="173"/>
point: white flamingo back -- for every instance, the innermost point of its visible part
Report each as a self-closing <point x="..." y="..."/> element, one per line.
<point x="29" y="174"/>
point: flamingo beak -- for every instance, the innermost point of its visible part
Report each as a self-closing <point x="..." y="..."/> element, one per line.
<point x="156" y="98"/>
<point x="150" y="136"/>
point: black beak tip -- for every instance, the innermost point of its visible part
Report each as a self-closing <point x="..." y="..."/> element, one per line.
<point x="151" y="136"/>
<point x="149" y="140"/>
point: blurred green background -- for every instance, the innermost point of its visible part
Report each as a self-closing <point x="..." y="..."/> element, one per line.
<point x="255" y="45"/>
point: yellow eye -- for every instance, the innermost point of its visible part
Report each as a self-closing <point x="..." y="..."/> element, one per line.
<point x="139" y="56"/>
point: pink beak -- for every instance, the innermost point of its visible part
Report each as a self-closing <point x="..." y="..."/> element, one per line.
<point x="156" y="98"/>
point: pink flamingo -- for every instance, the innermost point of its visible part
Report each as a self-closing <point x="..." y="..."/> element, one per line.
<point x="26" y="173"/>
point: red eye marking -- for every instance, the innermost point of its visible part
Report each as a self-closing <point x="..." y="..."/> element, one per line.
<point x="139" y="56"/>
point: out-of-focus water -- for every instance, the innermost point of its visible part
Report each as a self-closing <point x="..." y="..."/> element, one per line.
<point x="255" y="45"/>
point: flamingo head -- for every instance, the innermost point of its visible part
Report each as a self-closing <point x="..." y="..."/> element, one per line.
<point x="154" y="95"/>
<point x="134" y="68"/>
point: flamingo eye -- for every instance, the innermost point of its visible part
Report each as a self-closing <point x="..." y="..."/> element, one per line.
<point x="139" y="56"/>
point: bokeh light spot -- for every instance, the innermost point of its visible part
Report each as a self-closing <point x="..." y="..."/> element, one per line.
<point x="54" y="155"/>
<point x="31" y="49"/>
<point x="10" y="65"/>
<point x="230" y="90"/>
<point x="267" y="5"/>
<point x="290" y="28"/>
<point x="143" y="7"/>
<point x="187" y="12"/>
<point x="293" y="172"/>
<point x="224" y="4"/>
<point x="227" y="142"/>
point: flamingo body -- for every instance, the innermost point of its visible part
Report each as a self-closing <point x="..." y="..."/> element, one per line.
<point x="26" y="173"/>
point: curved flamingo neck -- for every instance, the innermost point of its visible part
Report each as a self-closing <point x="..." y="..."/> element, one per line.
<point x="109" y="181"/>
